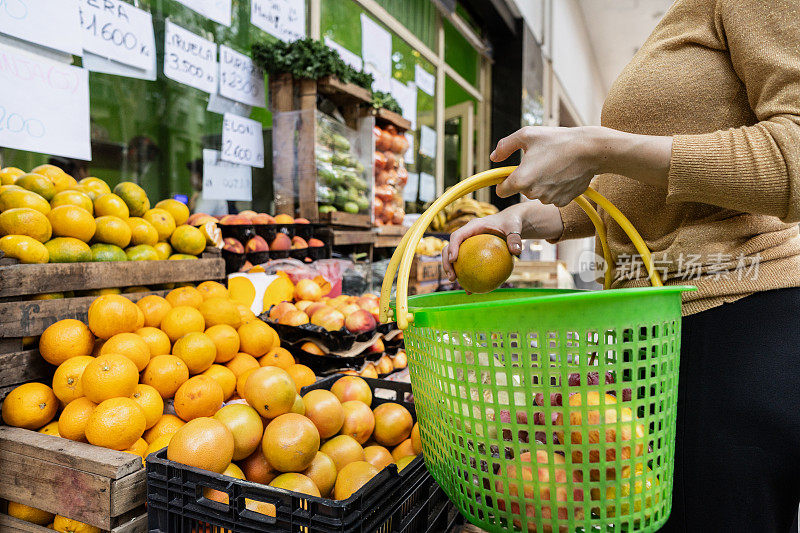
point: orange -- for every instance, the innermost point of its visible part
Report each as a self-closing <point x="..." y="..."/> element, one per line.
<point x="162" y="221"/>
<point x="241" y="380"/>
<point x="343" y="449"/>
<point x="226" y="340"/>
<point x="256" y="468"/>
<point x="245" y="425"/>
<point x="112" y="230"/>
<point x="149" y="399"/>
<point x="138" y="448"/>
<point x="163" y="249"/>
<point x="416" y="440"/>
<point x="37" y="183"/>
<point x="49" y="171"/>
<point x="139" y="319"/>
<point x="284" y="219"/>
<point x="95" y="186"/>
<point x="51" y="429"/>
<point x="296" y="483"/>
<point x="156" y="340"/>
<point x="72" y="221"/>
<point x="74" y="417"/>
<point x="73" y="197"/>
<point x="160" y="442"/>
<point x="393" y="424"/>
<point x="302" y="376"/>
<point x="166" y="425"/>
<point x="352" y="477"/>
<point x="110" y="204"/>
<point x="279" y="357"/>
<point x="182" y="320"/>
<point x="290" y="442"/>
<point x="404" y="449"/>
<point x="25" y="221"/>
<point x="298" y="406"/>
<point x="322" y="471"/>
<point x="241" y="362"/>
<point x="27" y="249"/>
<point x="109" y="375"/>
<point x="404" y="461"/>
<point x="29" y="514"/>
<point x="325" y="411"/>
<point x="224" y="376"/>
<point x="188" y="240"/>
<point x="197" y="350"/>
<point x="200" y="396"/>
<point x="219" y="496"/>
<point x="185" y="296"/>
<point x="116" y="423"/>
<point x="154" y="308"/>
<point x="178" y="210"/>
<point x="271" y="391"/>
<point x="64" y="339"/>
<point x="485" y="264"/>
<point x="9" y="174"/>
<point x="378" y="456"/>
<point x="67" y="384"/>
<point x="256" y="338"/>
<point x="30" y="406"/>
<point x="166" y="373"/>
<point x="111" y="314"/>
<point x="359" y="421"/>
<point x="213" y="289"/>
<point x="131" y="346"/>
<point x="142" y="232"/>
<point x="134" y="197"/>
<point x="203" y="443"/>
<point x="352" y="388"/>
<point x="245" y="314"/>
<point x="67" y="525"/>
<point x="218" y="310"/>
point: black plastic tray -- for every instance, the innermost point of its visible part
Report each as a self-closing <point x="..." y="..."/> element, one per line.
<point x="336" y="341"/>
<point x="240" y="232"/>
<point x="233" y="261"/>
<point x="391" y="502"/>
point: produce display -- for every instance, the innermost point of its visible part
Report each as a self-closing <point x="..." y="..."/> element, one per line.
<point x="354" y="314"/>
<point x="48" y="216"/>
<point x="458" y="213"/>
<point x="430" y="246"/>
<point x="342" y="183"/>
<point x="391" y="176"/>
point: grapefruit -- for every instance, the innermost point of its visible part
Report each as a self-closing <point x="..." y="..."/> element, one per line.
<point x="271" y="391"/>
<point x="203" y="443"/>
<point x="352" y="477"/>
<point x="245" y="425"/>
<point x="290" y="442"/>
<point x="483" y="264"/>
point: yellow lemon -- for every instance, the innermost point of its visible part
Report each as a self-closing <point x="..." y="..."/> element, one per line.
<point x="72" y="221"/>
<point x="25" y="221"/>
<point x="26" y="249"/>
<point x="110" y="204"/>
<point x="142" y="232"/>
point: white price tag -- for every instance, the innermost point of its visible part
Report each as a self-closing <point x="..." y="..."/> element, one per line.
<point x="347" y="56"/>
<point x="406" y="96"/>
<point x="285" y="19"/>
<point x="376" y="46"/>
<point x="216" y="10"/>
<point x="427" y="141"/>
<point x="411" y="188"/>
<point x="225" y="181"/>
<point x="239" y="78"/>
<point x="95" y="63"/>
<point x="44" y="105"/>
<point x="427" y="188"/>
<point x="242" y="141"/>
<point x="190" y="59"/>
<point x="408" y="157"/>
<point x="425" y="80"/>
<point x="116" y="30"/>
<point x="50" y="23"/>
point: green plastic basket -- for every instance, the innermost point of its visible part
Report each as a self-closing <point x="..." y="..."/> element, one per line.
<point x="541" y="409"/>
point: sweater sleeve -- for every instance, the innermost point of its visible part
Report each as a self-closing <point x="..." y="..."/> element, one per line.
<point x="753" y="169"/>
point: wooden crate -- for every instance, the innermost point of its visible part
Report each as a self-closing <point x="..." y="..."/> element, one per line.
<point x="536" y="274"/>
<point x="426" y="268"/>
<point x="100" y="487"/>
<point x="423" y="287"/>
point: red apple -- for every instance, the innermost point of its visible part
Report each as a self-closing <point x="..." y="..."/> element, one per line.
<point x="293" y="317"/>
<point x="280" y="242"/>
<point x="313" y="308"/>
<point x="277" y="311"/>
<point x="360" y="321"/>
<point x="328" y="318"/>
<point x="246" y="266"/>
<point x="257" y="244"/>
<point x="198" y="219"/>
<point x="349" y="309"/>
<point x="232" y="245"/>
<point x="378" y="347"/>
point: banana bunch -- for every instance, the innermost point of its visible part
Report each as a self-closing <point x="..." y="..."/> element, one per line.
<point x="459" y="213"/>
<point x="430" y="246"/>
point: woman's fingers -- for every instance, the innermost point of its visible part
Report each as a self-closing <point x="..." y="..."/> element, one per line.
<point x="447" y="265"/>
<point x="514" y="241"/>
<point x="508" y="145"/>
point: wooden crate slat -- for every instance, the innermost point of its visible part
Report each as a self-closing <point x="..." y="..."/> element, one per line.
<point x="21" y="367"/>
<point x="32" y="317"/>
<point x="18" y="280"/>
<point x="344" y="91"/>
<point x="64" y="453"/>
<point x="129" y="492"/>
<point x="341" y="218"/>
<point x="15" y="525"/>
<point x="393" y="118"/>
<point x="344" y="237"/>
<point x="136" y="525"/>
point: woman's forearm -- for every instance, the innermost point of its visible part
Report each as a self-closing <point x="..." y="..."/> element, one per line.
<point x="644" y="158"/>
<point x="537" y="220"/>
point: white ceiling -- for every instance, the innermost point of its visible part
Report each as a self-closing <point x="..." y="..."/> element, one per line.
<point x="617" y="28"/>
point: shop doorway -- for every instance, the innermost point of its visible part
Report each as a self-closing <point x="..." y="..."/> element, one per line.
<point x="459" y="143"/>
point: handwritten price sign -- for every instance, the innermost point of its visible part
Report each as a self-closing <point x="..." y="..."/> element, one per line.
<point x="44" y="105"/>
<point x="116" y="30"/>
<point x="190" y="59"/>
<point x="49" y="23"/>
<point x="216" y="10"/>
<point x="225" y="181"/>
<point x="285" y="19"/>
<point x="239" y="78"/>
<point x="242" y="141"/>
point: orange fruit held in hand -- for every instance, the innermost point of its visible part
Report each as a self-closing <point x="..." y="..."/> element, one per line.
<point x="226" y="339"/>
<point x="224" y="376"/>
<point x="203" y="443"/>
<point x="241" y="362"/>
<point x="483" y="264"/>
<point x="111" y="314"/>
<point x="67" y="383"/>
<point x="322" y="471"/>
<point x="352" y="388"/>
<point x="165" y="373"/>
<point x="271" y="391"/>
<point x="30" y="406"/>
<point x="184" y="296"/>
<point x="74" y="417"/>
<point x="301" y="375"/>
<point x="149" y="399"/>
<point x="393" y="424"/>
<point x="156" y="340"/>
<point x="290" y="442"/>
<point x="256" y="338"/>
<point x="359" y="422"/>
<point x="352" y="477"/>
<point x="116" y="423"/>
<point x="182" y="320"/>
<point x="166" y="425"/>
<point x="154" y="308"/>
<point x="324" y="409"/>
<point x="200" y="396"/>
<point x="109" y="376"/>
<point x="197" y="350"/>
<point x="343" y="449"/>
<point x="245" y="425"/>
<point x="65" y="339"/>
<point x="279" y="357"/>
<point x="131" y="346"/>
<point x="213" y="289"/>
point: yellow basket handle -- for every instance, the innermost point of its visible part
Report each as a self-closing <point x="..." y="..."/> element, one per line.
<point x="404" y="254"/>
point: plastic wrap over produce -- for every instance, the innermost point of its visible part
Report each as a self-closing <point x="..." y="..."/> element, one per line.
<point x="391" y="176"/>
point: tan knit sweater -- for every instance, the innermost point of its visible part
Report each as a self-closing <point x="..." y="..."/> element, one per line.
<point x="723" y="78"/>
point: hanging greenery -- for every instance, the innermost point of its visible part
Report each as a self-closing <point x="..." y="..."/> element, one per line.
<point x="386" y="101"/>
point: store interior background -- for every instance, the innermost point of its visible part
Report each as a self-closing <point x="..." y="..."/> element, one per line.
<point x="499" y="64"/>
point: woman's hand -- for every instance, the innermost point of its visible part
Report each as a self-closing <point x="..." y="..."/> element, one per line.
<point x="527" y="220"/>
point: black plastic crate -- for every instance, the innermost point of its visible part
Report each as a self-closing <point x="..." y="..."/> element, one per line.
<point x="392" y="502"/>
